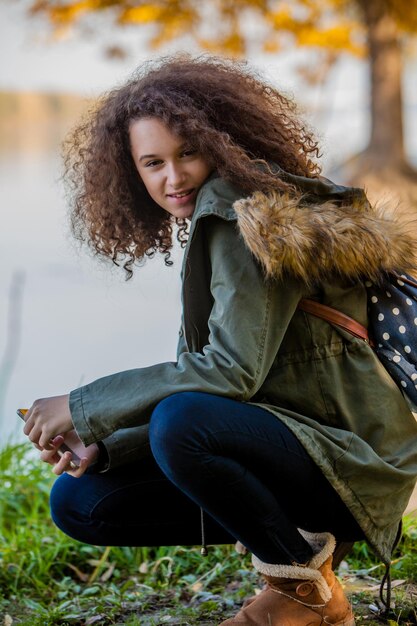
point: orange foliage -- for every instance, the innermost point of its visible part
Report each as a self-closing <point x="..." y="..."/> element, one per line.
<point x="331" y="24"/>
<point x="64" y="14"/>
<point x="143" y="14"/>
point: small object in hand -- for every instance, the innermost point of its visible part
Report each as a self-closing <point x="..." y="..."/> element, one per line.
<point x="75" y="460"/>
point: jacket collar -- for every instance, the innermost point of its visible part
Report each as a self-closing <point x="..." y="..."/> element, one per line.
<point x="216" y="197"/>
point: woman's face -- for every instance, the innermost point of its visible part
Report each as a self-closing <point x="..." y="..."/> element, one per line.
<point x="170" y="169"/>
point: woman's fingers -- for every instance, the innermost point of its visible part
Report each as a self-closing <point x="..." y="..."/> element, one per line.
<point x="63" y="462"/>
<point x="84" y="464"/>
<point x="64" y="465"/>
<point x="46" y="418"/>
<point x="50" y="455"/>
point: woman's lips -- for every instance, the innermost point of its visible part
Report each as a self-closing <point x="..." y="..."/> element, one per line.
<point x="182" y="199"/>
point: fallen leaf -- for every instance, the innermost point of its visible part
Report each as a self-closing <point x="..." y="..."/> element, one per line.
<point x="81" y="575"/>
<point x="394" y="583"/>
<point x="94" y="619"/>
<point x="108" y="573"/>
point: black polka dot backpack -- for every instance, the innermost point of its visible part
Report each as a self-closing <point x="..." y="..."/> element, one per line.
<point x="392" y="332"/>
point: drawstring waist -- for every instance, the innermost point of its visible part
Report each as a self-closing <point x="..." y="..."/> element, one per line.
<point x="387" y="576"/>
<point x="203" y="550"/>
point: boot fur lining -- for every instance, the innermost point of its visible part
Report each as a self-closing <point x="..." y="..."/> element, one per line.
<point x="323" y="544"/>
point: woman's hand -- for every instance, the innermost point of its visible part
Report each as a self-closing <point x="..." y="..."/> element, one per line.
<point x="46" y="419"/>
<point x="61" y="464"/>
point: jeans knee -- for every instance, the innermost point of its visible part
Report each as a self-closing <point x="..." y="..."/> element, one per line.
<point x="171" y="417"/>
<point x="62" y="502"/>
<point x="173" y="426"/>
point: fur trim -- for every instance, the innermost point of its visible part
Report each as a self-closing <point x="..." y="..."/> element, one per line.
<point x="323" y="544"/>
<point x="318" y="241"/>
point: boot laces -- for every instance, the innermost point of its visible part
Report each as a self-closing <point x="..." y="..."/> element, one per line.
<point x="287" y="595"/>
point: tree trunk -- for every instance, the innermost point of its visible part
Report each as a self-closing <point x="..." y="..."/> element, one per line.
<point x="386" y="144"/>
<point x="382" y="167"/>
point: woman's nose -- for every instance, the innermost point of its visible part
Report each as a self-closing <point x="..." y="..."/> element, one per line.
<point x="176" y="175"/>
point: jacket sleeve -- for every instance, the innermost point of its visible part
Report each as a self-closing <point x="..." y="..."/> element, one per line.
<point x="248" y="320"/>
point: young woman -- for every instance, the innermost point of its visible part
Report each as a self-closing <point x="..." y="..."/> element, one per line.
<point x="287" y="432"/>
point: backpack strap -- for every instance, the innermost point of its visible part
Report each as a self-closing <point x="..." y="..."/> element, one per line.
<point x="335" y="317"/>
<point x="406" y="279"/>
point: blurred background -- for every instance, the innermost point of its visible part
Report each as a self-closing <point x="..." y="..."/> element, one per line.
<point x="65" y="318"/>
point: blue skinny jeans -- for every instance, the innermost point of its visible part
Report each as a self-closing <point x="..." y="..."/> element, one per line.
<point x="238" y="462"/>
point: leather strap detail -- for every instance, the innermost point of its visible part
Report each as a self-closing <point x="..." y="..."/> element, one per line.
<point x="336" y="317"/>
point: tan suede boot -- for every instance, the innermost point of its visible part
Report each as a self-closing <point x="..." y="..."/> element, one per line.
<point x="298" y="595"/>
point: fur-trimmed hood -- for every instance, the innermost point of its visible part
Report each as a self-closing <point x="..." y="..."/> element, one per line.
<point x="326" y="231"/>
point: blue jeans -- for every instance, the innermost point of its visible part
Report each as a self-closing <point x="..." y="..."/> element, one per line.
<point x="236" y="461"/>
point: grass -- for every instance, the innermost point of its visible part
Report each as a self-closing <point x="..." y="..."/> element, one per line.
<point x="48" y="579"/>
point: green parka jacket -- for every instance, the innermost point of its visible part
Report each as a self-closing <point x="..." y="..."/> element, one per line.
<point x="246" y="265"/>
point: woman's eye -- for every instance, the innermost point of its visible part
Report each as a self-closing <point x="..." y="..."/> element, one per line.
<point x="153" y="163"/>
<point x="189" y="152"/>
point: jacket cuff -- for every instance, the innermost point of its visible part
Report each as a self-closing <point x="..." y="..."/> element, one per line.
<point x="117" y="449"/>
<point x="102" y="463"/>
<point x="78" y="417"/>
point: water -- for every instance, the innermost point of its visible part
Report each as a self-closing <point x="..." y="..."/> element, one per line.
<point x="80" y="319"/>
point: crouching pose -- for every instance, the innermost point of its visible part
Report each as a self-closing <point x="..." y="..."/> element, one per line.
<point x="285" y="431"/>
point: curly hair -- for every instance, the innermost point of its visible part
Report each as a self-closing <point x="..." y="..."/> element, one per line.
<point x="224" y="110"/>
